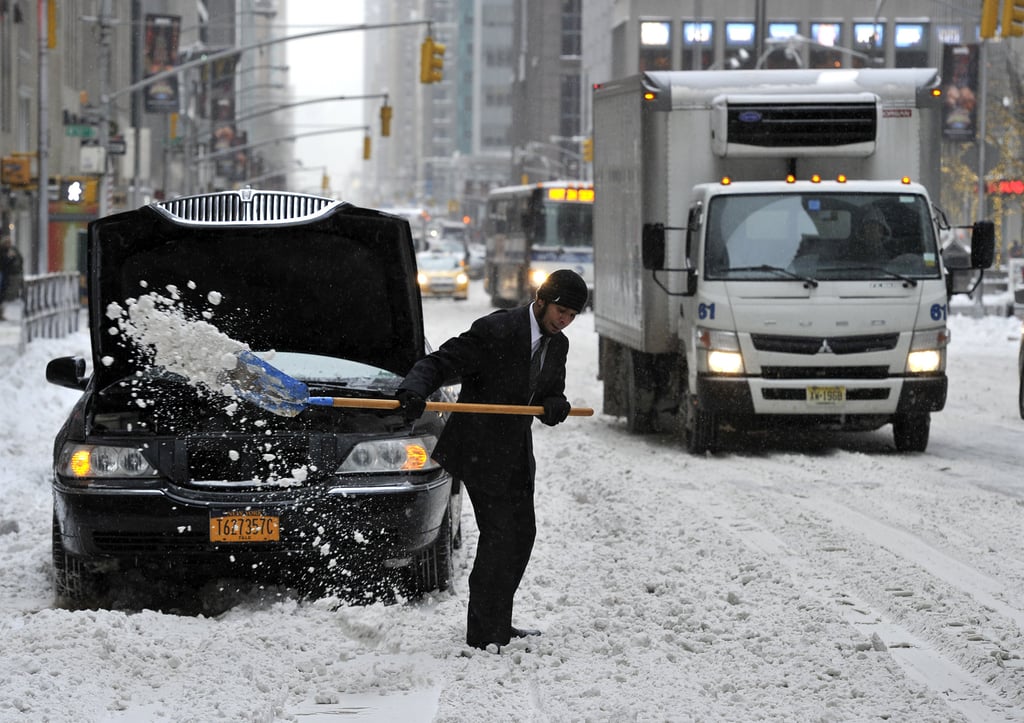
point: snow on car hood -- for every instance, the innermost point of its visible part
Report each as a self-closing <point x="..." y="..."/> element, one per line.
<point x="340" y="282"/>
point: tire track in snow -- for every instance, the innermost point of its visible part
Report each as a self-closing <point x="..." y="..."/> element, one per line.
<point x="808" y="533"/>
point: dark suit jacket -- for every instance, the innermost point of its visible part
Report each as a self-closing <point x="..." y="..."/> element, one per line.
<point x="492" y="359"/>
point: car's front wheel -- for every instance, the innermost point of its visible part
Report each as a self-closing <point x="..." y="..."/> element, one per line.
<point x="75" y="583"/>
<point x="434" y="568"/>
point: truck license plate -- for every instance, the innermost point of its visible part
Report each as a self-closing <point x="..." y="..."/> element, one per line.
<point x="244" y="526"/>
<point x="826" y="395"/>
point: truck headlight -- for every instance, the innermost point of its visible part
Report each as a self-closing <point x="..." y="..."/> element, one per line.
<point x="723" y="350"/>
<point x="928" y="351"/>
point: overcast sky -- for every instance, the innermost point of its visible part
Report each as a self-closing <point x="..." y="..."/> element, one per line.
<point x="326" y="65"/>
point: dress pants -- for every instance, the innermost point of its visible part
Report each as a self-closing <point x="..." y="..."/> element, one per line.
<point x="507" y="523"/>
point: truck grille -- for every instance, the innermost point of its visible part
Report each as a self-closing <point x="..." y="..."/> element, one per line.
<point x="872" y="372"/>
<point x="825" y="344"/>
<point x="245" y="206"/>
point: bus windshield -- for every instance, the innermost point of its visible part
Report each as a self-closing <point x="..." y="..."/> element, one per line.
<point x="821" y="236"/>
<point x="564" y="224"/>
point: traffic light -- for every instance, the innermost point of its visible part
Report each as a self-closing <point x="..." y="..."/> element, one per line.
<point x="385" y="120"/>
<point x="989" y="18"/>
<point x="431" y="61"/>
<point x="1013" y="18"/>
<point x="17" y="171"/>
<point x="588" y="150"/>
<point x="366" y="147"/>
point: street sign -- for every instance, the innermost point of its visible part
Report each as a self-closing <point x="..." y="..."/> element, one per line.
<point x="79" y="130"/>
<point x="116" y="146"/>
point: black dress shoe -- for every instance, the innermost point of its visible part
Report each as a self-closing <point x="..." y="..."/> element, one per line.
<point x="523" y="632"/>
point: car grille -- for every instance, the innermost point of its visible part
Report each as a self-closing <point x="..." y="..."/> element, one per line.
<point x="227" y="462"/>
<point x="825" y="344"/>
<point x="245" y="206"/>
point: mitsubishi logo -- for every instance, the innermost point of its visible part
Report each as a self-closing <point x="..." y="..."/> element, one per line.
<point x="825" y="348"/>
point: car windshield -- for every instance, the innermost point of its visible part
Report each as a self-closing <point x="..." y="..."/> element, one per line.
<point x="317" y="369"/>
<point x="820" y="236"/>
<point x="439" y="261"/>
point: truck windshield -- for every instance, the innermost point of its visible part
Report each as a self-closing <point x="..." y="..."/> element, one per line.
<point x="822" y="236"/>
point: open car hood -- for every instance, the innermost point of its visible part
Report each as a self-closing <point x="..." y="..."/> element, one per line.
<point x="288" y="272"/>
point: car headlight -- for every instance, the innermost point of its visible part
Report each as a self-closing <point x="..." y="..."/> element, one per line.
<point x="407" y="454"/>
<point x="537" y="277"/>
<point x="421" y="279"/>
<point x="462" y="279"/>
<point x="92" y="461"/>
<point x="928" y="351"/>
<point x="723" y="350"/>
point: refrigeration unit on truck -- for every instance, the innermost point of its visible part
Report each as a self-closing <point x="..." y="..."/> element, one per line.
<point x="766" y="251"/>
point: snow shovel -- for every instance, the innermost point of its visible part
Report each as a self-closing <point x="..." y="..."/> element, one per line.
<point x="268" y="387"/>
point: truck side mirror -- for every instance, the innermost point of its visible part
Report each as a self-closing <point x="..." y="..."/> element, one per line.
<point x="652" y="246"/>
<point x="983" y="244"/>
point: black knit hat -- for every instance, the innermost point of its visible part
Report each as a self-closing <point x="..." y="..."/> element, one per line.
<point x="566" y="288"/>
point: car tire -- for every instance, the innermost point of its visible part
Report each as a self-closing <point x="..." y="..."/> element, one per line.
<point x="1020" y="394"/>
<point x="910" y="432"/>
<point x="76" y="585"/>
<point x="435" y="567"/>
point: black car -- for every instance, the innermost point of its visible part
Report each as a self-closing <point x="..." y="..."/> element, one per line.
<point x="168" y="478"/>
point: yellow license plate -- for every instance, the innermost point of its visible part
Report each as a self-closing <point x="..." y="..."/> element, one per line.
<point x="245" y="526"/>
<point x="826" y="395"/>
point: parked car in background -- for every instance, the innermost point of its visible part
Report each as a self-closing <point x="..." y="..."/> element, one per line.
<point x="442" y="272"/>
<point x="164" y="477"/>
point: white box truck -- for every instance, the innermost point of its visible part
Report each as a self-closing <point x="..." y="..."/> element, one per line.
<point x="766" y="251"/>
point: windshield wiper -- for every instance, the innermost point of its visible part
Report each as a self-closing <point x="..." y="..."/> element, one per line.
<point x="808" y="280"/>
<point x="908" y="281"/>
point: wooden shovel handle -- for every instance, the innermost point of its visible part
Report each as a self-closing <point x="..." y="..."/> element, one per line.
<point x="443" y="406"/>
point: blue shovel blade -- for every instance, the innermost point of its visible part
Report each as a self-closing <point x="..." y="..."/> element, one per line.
<point x="266" y="386"/>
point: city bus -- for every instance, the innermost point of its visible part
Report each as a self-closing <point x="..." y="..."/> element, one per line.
<point x="533" y="230"/>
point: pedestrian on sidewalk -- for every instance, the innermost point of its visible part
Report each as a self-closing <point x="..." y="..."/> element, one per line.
<point x="512" y="356"/>
<point x="11" y="269"/>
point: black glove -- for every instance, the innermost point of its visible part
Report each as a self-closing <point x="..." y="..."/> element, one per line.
<point x="556" y="410"/>
<point x="411" y="404"/>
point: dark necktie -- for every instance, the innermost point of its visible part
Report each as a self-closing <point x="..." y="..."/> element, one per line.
<point x="536" y="361"/>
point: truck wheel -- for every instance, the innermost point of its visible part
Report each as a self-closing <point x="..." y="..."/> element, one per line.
<point x="639" y="396"/>
<point x="700" y="426"/>
<point x="910" y="432"/>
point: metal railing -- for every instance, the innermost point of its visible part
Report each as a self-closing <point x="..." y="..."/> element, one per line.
<point x="51" y="305"/>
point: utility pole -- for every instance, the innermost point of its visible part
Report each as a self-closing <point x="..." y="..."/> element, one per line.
<point x="103" y="186"/>
<point x="39" y="260"/>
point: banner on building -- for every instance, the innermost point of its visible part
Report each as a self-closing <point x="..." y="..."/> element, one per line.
<point x="161" y="48"/>
<point x="959" y="91"/>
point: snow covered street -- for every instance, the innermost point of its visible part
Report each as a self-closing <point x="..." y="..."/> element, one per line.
<point x="790" y="577"/>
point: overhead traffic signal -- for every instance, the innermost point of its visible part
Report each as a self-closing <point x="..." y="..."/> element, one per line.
<point x="1013" y="18"/>
<point x="366" y="147"/>
<point x="989" y="18"/>
<point x="588" y="150"/>
<point x="385" y="120"/>
<point x="431" y="61"/>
